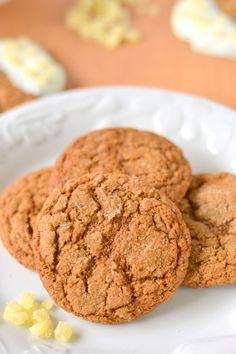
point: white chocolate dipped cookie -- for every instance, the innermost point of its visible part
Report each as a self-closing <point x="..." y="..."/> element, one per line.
<point x="27" y="71"/>
<point x="205" y="27"/>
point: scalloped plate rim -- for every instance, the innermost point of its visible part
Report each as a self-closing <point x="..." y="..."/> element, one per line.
<point x="139" y="336"/>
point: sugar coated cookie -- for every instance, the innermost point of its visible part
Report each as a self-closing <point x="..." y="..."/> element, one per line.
<point x="110" y="248"/>
<point x="209" y="210"/>
<point x="19" y="207"/>
<point x="149" y="156"/>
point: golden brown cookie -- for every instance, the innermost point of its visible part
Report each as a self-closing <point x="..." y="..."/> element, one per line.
<point x="146" y="155"/>
<point x="209" y="210"/>
<point x="110" y="248"/>
<point x="19" y="207"/>
<point x="228" y="6"/>
<point x="10" y="95"/>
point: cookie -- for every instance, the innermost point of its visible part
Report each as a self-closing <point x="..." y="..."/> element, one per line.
<point x="205" y="27"/>
<point x="27" y="72"/>
<point x="209" y="210"/>
<point x="110" y="248"/>
<point x="19" y="207"/>
<point x="228" y="6"/>
<point x="10" y="95"/>
<point x="146" y="155"/>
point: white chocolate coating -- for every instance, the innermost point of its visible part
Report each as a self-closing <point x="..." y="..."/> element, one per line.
<point x="30" y="67"/>
<point x="205" y="27"/>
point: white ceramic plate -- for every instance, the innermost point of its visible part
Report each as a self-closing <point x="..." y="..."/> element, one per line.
<point x="201" y="321"/>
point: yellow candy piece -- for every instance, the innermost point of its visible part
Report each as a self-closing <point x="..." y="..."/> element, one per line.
<point x="40" y="315"/>
<point x="31" y="311"/>
<point x="13" y="306"/>
<point x="35" y="316"/>
<point x="42" y="329"/>
<point x="63" y="332"/>
<point x="47" y="305"/>
<point x="15" y="314"/>
<point x="17" y="318"/>
<point x="27" y="300"/>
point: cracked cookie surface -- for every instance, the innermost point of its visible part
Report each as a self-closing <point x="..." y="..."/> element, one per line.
<point x="19" y="207"/>
<point x="146" y="155"/>
<point x="109" y="248"/>
<point x="209" y="210"/>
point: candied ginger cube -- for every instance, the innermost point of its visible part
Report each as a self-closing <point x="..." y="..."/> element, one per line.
<point x="27" y="300"/>
<point x="13" y="306"/>
<point x="42" y="329"/>
<point x="17" y="318"/>
<point x="63" y="332"/>
<point x="40" y="315"/>
<point x="15" y="314"/>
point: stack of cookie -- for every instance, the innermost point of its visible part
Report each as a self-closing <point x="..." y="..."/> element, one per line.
<point x="103" y="229"/>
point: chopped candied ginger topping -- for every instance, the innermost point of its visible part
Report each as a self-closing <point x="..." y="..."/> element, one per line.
<point x="16" y="314"/>
<point x="36" y="316"/>
<point x="107" y="22"/>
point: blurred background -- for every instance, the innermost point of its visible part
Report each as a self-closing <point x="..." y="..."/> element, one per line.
<point x="158" y="59"/>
